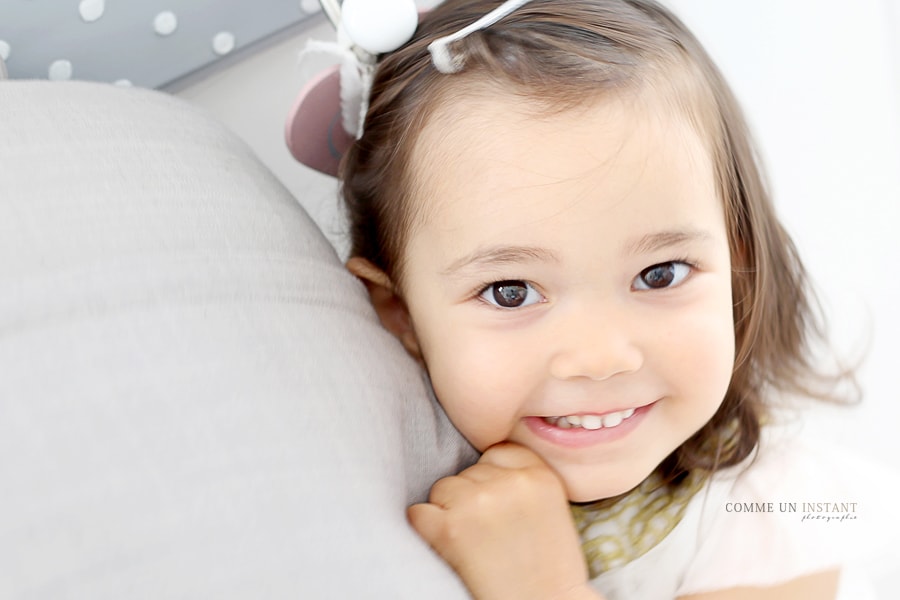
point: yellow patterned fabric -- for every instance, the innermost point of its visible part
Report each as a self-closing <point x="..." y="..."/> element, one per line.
<point x="614" y="533"/>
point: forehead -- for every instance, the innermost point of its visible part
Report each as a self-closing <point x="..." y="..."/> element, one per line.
<point x="491" y="155"/>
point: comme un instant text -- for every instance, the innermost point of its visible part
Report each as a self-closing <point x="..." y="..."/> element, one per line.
<point x="791" y="507"/>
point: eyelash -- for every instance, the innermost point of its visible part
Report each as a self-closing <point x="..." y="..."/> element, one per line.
<point x="479" y="291"/>
<point x="691" y="265"/>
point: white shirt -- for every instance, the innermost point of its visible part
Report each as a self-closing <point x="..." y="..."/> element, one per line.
<point x="797" y="508"/>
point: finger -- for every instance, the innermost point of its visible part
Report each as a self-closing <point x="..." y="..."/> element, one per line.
<point x="427" y="519"/>
<point x="446" y="492"/>
<point x="524" y="470"/>
<point x="482" y="472"/>
<point x="509" y="455"/>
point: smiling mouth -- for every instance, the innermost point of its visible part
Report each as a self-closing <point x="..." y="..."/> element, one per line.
<point x="606" y="421"/>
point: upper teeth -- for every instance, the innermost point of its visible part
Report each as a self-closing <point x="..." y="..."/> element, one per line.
<point x="591" y="421"/>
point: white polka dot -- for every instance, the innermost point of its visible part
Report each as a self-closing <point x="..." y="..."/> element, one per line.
<point x="60" y="70"/>
<point x="165" y="23"/>
<point x="123" y="83"/>
<point x="223" y="43"/>
<point x="310" y="6"/>
<point x="5" y="49"/>
<point x="91" y="10"/>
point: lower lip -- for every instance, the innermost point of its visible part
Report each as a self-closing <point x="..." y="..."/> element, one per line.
<point x="578" y="437"/>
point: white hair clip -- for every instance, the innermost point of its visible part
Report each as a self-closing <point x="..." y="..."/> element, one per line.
<point x="330" y="110"/>
<point x="440" y="48"/>
<point x="365" y="29"/>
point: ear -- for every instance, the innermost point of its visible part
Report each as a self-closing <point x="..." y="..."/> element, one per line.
<point x="389" y="306"/>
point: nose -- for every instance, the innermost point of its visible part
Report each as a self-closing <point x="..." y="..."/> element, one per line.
<point x="595" y="343"/>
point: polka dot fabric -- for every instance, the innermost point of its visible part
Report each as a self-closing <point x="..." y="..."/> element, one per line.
<point x="148" y="44"/>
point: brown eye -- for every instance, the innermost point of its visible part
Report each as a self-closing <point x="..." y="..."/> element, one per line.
<point x="511" y="294"/>
<point x="662" y="276"/>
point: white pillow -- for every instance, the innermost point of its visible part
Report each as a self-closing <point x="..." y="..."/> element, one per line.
<point x="196" y="399"/>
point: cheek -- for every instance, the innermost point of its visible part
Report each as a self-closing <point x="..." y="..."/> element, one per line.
<point x="696" y="345"/>
<point x="478" y="381"/>
<point x="705" y="358"/>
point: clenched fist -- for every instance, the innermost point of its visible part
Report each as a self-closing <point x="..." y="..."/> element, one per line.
<point x="504" y="525"/>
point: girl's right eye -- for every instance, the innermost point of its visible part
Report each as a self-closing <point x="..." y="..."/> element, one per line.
<point x="511" y="294"/>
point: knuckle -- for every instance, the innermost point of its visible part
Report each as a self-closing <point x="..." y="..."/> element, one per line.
<point x="484" y="500"/>
<point x="535" y="485"/>
<point x="521" y="480"/>
<point x="442" y="490"/>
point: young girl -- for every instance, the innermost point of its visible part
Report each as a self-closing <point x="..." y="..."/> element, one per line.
<point x="557" y="209"/>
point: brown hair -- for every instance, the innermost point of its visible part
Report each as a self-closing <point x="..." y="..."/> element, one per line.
<point x="562" y="53"/>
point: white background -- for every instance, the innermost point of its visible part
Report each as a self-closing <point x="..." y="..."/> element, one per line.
<point x="820" y="82"/>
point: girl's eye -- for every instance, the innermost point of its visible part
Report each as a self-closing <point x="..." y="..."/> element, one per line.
<point x="662" y="276"/>
<point x="511" y="294"/>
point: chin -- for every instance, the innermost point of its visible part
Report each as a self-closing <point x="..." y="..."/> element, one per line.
<point x="602" y="486"/>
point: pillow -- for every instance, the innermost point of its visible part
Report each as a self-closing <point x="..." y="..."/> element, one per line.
<point x="196" y="399"/>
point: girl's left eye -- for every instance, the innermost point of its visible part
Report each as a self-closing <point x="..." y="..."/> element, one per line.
<point x="511" y="294"/>
<point x="661" y="276"/>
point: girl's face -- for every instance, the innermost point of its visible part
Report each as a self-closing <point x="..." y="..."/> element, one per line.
<point x="569" y="283"/>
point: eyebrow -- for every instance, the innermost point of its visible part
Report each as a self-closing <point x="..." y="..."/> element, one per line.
<point x="494" y="256"/>
<point x="665" y="239"/>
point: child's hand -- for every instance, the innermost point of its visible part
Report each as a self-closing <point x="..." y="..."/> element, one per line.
<point x="504" y="525"/>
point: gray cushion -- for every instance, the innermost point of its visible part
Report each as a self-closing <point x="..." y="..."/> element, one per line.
<point x="196" y="399"/>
